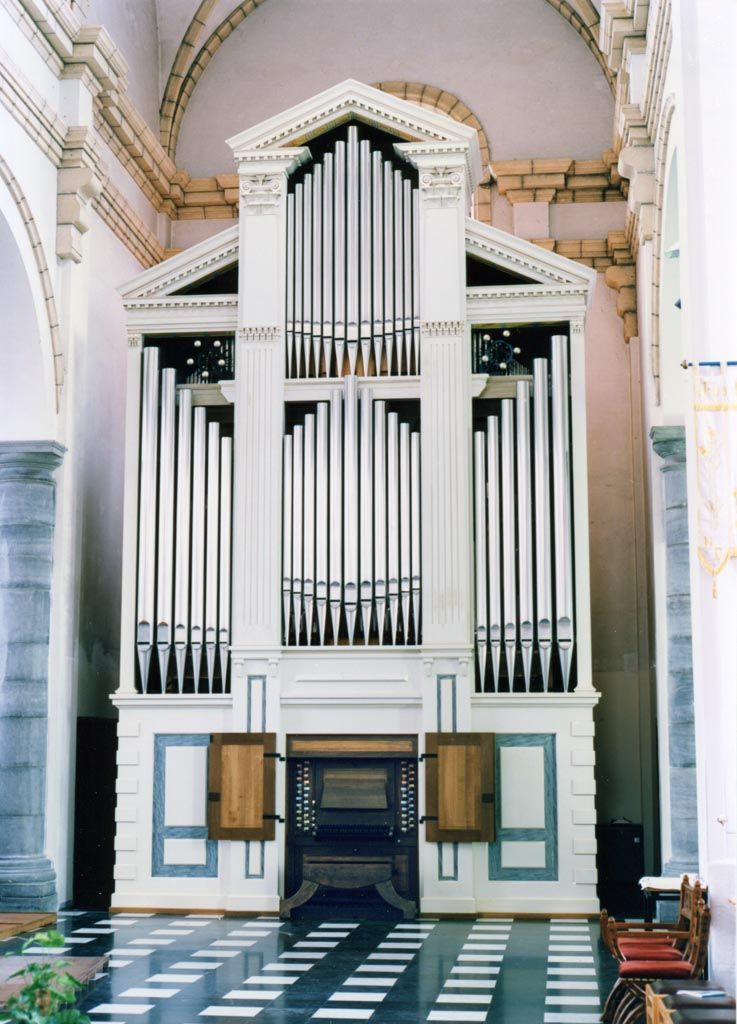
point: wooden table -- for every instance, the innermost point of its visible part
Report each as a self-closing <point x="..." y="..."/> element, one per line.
<point x="15" y="923"/>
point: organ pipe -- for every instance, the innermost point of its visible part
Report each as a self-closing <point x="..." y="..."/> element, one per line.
<point x="377" y="245"/>
<point x="542" y="518"/>
<point x="524" y="527"/>
<point x="308" y="576"/>
<point x="165" y="552"/>
<point x="199" y="460"/>
<point x="307" y="274"/>
<point x="226" y="495"/>
<point x="352" y="243"/>
<point x="562" y="506"/>
<point x="321" y="519"/>
<point x="416" y="277"/>
<point x="298" y="278"/>
<point x="350" y="504"/>
<point x="290" y="282"/>
<point x="405" y="543"/>
<point x="399" y="268"/>
<point x="366" y="523"/>
<point x="327" y="274"/>
<point x="380" y="545"/>
<point x="415" y="516"/>
<point x="297" y="523"/>
<point x="365" y="235"/>
<point x="388" y="266"/>
<point x="494" y="546"/>
<point x="146" y="522"/>
<point x="316" y="327"/>
<point x="509" y="571"/>
<point x="392" y="462"/>
<point x="340" y="255"/>
<point x="184" y="491"/>
<point x="482" y="618"/>
<point x="407" y="265"/>
<point x="288" y="499"/>
<point x="212" y="542"/>
<point x="335" y="590"/>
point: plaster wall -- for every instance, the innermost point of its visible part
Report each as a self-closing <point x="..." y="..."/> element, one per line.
<point x="516" y="64"/>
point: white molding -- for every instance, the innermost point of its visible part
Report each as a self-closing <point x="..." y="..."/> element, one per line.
<point x="183" y="314"/>
<point x="576" y="699"/>
<point x="171" y="700"/>
<point x="186" y="267"/>
<point x="525" y="304"/>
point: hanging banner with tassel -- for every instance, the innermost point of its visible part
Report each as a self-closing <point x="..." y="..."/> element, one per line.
<point x="715" y="435"/>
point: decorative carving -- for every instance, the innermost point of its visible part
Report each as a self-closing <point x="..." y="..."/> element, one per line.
<point x="260" y="193"/>
<point x="442" y="328"/>
<point x="135" y="340"/>
<point x="442" y="186"/>
<point x="255" y="334"/>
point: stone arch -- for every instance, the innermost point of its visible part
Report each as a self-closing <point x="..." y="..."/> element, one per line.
<point x="662" y="154"/>
<point x="448" y="103"/>
<point x="581" y="15"/>
<point x="14" y="206"/>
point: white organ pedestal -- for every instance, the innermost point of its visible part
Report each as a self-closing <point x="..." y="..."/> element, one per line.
<point x="357" y="577"/>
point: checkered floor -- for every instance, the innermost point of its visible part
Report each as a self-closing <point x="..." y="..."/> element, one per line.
<point x="184" y="970"/>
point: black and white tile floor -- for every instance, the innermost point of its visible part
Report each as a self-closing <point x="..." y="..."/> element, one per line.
<point x="198" y="968"/>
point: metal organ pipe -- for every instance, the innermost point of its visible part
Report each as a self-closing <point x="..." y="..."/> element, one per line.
<point x="181" y="573"/>
<point x="482" y="617"/>
<point x="307" y="274"/>
<point x="562" y="506"/>
<point x="147" y="521"/>
<point x="316" y="267"/>
<point x="340" y="255"/>
<point x="508" y="551"/>
<point x="414" y="502"/>
<point x="380" y="547"/>
<point x="298" y="281"/>
<point x="297" y="519"/>
<point x="399" y="268"/>
<point x="405" y="525"/>
<point x="494" y="546"/>
<point x="377" y="240"/>
<point x="365" y="233"/>
<point x="199" y="456"/>
<point x="288" y="499"/>
<point x="335" y="590"/>
<point x="327" y="274"/>
<point x="350" y="505"/>
<point x="226" y="491"/>
<point x="290" y="283"/>
<point x="213" y="538"/>
<point x="165" y="572"/>
<point x="366" y="572"/>
<point x="352" y="243"/>
<point x="407" y="264"/>
<point x="416" y="276"/>
<point x="542" y="518"/>
<point x="524" y="528"/>
<point x="388" y="266"/>
<point x="393" y="520"/>
<point x="322" y="519"/>
<point x="308" y="576"/>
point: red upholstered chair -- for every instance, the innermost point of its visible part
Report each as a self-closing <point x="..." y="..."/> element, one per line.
<point x="627" y="1000"/>
<point x="635" y="937"/>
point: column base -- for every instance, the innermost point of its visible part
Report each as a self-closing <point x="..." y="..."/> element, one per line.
<point x="27" y="883"/>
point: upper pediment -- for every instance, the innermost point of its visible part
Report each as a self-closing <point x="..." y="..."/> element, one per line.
<point x="187" y="269"/>
<point x="354" y="101"/>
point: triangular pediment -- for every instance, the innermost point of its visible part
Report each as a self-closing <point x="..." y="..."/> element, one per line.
<point x="354" y="101"/>
<point x="188" y="269"/>
<point x="528" y="263"/>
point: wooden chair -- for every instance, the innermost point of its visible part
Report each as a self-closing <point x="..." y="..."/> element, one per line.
<point x="691" y="893"/>
<point x="635" y="975"/>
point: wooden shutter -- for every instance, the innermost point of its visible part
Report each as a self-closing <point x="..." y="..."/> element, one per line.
<point x="459" y="787"/>
<point x="241" y="785"/>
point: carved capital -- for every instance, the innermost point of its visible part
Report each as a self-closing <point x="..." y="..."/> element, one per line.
<point x="260" y="193"/>
<point x="135" y="340"/>
<point x="442" y="186"/>
<point x="442" y="328"/>
<point x="259" y="334"/>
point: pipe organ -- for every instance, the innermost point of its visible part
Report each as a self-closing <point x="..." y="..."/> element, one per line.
<point x="523" y="531"/>
<point x="184" y="538"/>
<point x="352" y="281"/>
<point x="351" y="522"/>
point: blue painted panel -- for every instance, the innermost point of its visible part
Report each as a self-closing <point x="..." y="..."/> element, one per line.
<point x="162" y="831"/>
<point x="548" y="834"/>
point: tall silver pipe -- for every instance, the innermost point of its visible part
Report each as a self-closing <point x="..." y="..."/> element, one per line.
<point x="392" y="462"/>
<point x="297" y="524"/>
<point x="339" y="246"/>
<point x="226" y="492"/>
<point x="407" y="265"/>
<point x="388" y="266"/>
<point x="353" y="247"/>
<point x="335" y="590"/>
<point x="380" y="515"/>
<point x="377" y="232"/>
<point x="212" y="549"/>
<point x="307" y="274"/>
<point x="322" y="519"/>
<point x="317" y="268"/>
<point x="288" y="511"/>
<point x="399" y="269"/>
<point x="308" y="513"/>
<point x="146" y="516"/>
<point x="524" y="528"/>
<point x="416" y="532"/>
<point x="366" y="568"/>
<point x="165" y="573"/>
<point x="327" y="253"/>
<point x="482" y="613"/>
<point x="508" y="549"/>
<point x="290" y="282"/>
<point x="365" y="232"/>
<point x="199" y="457"/>
<point x="183" y="538"/>
<point x="543" y="577"/>
<point x="405" y="527"/>
<point x="416" y="276"/>
<point x="350" y="505"/>
<point x="298" y="276"/>
<point x="562" y="506"/>
<point x="494" y="545"/>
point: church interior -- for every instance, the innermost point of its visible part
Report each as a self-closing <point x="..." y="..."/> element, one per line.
<point x="368" y="534"/>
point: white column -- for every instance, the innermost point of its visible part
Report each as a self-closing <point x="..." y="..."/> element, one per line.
<point x="708" y="107"/>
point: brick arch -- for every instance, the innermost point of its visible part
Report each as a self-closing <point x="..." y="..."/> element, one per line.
<point x="182" y="79"/>
<point x="452" y="106"/>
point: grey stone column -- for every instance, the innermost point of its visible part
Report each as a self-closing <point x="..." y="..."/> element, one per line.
<point x="27" y="491"/>
<point x="669" y="444"/>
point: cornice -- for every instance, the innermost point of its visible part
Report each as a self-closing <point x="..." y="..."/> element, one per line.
<point x="174" y="302"/>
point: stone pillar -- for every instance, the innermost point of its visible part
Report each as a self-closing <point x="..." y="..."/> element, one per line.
<point x="27" y="877"/>
<point x="670" y="444"/>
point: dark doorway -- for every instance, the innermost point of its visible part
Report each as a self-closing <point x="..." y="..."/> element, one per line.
<point x="94" y="818"/>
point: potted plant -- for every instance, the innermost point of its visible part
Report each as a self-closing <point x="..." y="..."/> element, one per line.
<point x="49" y="991"/>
